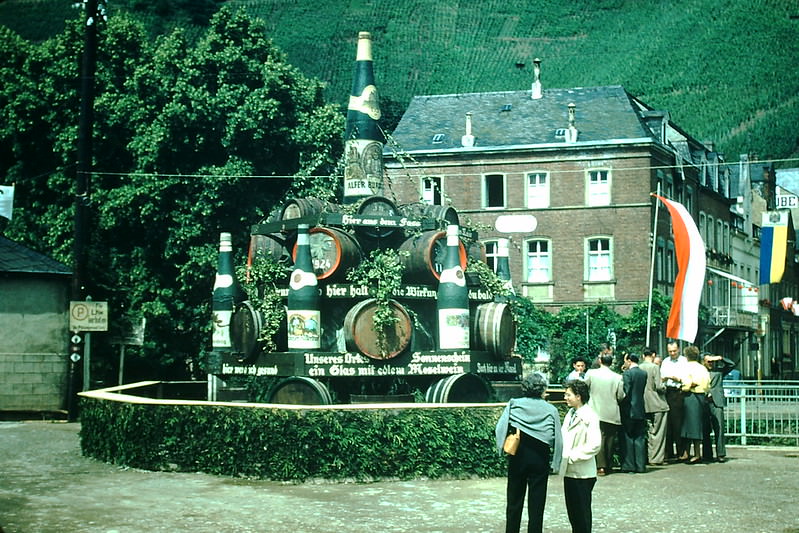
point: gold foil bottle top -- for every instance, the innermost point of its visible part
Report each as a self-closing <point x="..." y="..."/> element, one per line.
<point x="364" y="52"/>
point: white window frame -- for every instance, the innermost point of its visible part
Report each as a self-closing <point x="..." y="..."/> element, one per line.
<point x="599" y="263"/>
<point x="485" y="191"/>
<point x="538" y="263"/>
<point x="597" y="191"/>
<point x="492" y="253"/>
<point x="432" y="192"/>
<point x="537" y="194"/>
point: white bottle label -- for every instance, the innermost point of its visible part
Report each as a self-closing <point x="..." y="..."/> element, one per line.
<point x="363" y="168"/>
<point x="453" y="275"/>
<point x="221" y="323"/>
<point x="304" y="330"/>
<point x="222" y="281"/>
<point x="453" y="329"/>
<point x="300" y="279"/>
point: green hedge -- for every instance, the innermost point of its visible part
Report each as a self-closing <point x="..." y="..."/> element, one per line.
<point x="294" y="444"/>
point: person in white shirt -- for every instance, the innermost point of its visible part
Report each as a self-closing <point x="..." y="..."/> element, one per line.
<point x="672" y="372"/>
<point x="579" y="364"/>
<point x="581" y="442"/>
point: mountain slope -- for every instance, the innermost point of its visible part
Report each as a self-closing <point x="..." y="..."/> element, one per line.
<point x="725" y="69"/>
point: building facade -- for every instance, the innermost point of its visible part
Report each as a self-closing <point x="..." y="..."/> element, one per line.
<point x="583" y="164"/>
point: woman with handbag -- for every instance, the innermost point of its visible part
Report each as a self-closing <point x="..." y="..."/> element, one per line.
<point x="537" y="455"/>
<point x="582" y="439"/>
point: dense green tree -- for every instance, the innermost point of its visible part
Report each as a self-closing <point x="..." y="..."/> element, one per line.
<point x="191" y="138"/>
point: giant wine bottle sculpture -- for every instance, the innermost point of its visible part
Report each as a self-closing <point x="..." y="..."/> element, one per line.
<point x="303" y="316"/>
<point x="453" y="298"/>
<point x="222" y="302"/>
<point x="363" y="139"/>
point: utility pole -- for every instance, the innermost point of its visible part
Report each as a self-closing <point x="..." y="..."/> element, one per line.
<point x="82" y="189"/>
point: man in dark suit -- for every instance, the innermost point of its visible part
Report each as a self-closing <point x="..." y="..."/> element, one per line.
<point x="633" y="416"/>
<point x="717" y="367"/>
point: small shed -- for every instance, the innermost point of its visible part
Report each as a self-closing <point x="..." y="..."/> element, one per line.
<point x="34" y="324"/>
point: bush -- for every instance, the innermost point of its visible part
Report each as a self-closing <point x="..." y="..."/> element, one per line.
<point x="294" y="444"/>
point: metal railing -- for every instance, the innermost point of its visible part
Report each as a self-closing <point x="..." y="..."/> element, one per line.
<point x="765" y="412"/>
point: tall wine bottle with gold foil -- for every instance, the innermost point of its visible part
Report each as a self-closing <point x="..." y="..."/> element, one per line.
<point x="453" y="298"/>
<point x="363" y="139"/>
<point x="304" y="317"/>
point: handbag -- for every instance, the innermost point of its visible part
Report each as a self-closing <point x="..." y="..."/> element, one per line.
<point x="512" y="442"/>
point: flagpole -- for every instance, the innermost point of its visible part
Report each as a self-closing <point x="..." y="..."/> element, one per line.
<point x="652" y="269"/>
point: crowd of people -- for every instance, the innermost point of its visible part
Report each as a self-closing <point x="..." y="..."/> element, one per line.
<point x="652" y="413"/>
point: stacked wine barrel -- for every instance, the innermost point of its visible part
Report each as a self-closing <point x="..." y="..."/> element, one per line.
<point x="340" y="238"/>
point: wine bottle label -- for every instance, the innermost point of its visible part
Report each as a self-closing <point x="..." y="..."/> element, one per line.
<point x="453" y="275"/>
<point x="223" y="281"/>
<point x="363" y="168"/>
<point x="300" y="279"/>
<point x="367" y="102"/>
<point x="453" y="329"/>
<point x="303" y="329"/>
<point x="221" y="329"/>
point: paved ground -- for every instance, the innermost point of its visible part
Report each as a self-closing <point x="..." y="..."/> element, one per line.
<point x="47" y="486"/>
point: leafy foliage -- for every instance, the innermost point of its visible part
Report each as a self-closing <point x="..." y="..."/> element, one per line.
<point x="186" y="139"/>
<point x="294" y="445"/>
<point x="580" y="330"/>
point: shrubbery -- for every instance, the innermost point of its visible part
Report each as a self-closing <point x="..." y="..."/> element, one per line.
<point x="295" y="444"/>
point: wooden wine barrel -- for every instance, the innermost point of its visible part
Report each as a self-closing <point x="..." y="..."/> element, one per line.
<point x="264" y="246"/>
<point x="493" y="329"/>
<point x="245" y="329"/>
<point x="300" y="390"/>
<point x="360" y="334"/>
<point x="426" y="256"/>
<point x="376" y="207"/>
<point x="333" y="252"/>
<point x="459" y="388"/>
<point x="420" y="210"/>
<point x="304" y="207"/>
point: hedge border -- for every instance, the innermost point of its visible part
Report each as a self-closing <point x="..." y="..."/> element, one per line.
<point x="288" y="442"/>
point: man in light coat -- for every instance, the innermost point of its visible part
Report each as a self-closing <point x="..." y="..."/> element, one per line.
<point x="657" y="409"/>
<point x="606" y="391"/>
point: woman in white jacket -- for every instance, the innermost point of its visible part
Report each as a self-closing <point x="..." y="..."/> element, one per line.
<point x="581" y="442"/>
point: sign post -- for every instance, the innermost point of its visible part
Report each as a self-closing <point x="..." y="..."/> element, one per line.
<point x="86" y="317"/>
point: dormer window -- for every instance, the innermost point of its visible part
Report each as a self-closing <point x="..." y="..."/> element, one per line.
<point x="560" y="133"/>
<point x="438" y="138"/>
<point x="506" y="107"/>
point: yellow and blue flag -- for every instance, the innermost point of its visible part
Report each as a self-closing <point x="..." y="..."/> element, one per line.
<point x="773" y="246"/>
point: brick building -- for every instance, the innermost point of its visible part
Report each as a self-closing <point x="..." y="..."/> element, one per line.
<point x="583" y="162"/>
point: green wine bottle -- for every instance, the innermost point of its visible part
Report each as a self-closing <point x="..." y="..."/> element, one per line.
<point x="222" y="302"/>
<point x="453" y="298"/>
<point x="363" y="139"/>
<point x="303" y="315"/>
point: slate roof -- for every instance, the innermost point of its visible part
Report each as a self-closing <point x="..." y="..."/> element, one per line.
<point x="603" y="114"/>
<point x="15" y="257"/>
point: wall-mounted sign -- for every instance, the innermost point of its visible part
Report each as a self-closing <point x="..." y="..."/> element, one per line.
<point x="516" y="223"/>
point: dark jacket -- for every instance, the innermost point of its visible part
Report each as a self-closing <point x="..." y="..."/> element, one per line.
<point x="632" y="406"/>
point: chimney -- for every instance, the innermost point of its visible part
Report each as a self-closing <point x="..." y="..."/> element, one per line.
<point x="468" y="140"/>
<point x="571" y="133"/>
<point x="537" y="94"/>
